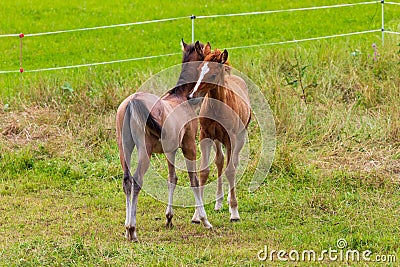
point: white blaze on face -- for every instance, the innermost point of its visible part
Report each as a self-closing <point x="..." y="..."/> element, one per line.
<point x="204" y="70"/>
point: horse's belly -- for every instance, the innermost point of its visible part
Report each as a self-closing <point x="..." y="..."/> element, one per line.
<point x="157" y="148"/>
<point x="213" y="129"/>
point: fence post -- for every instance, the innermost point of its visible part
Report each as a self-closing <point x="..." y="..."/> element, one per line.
<point x="193" y="17"/>
<point x="21" y="35"/>
<point x="383" y="21"/>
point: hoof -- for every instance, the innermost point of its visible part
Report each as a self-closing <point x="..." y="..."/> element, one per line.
<point x="195" y="222"/>
<point x="218" y="206"/>
<point x="168" y="224"/>
<point x="133" y="240"/>
<point x="207" y="224"/>
<point x="131" y="234"/>
<point x="235" y="220"/>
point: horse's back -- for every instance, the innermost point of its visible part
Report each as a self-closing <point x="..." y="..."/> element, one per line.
<point x="150" y="100"/>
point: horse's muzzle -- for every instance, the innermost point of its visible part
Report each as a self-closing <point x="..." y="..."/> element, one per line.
<point x="194" y="100"/>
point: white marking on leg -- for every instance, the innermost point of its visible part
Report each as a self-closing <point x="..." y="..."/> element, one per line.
<point x="230" y="175"/>
<point x="137" y="183"/>
<point x="171" y="189"/>
<point x="200" y="208"/>
<point x="235" y="213"/>
<point x="128" y="210"/>
<point x="196" y="217"/>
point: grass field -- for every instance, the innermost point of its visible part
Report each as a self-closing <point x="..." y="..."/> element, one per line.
<point x="336" y="172"/>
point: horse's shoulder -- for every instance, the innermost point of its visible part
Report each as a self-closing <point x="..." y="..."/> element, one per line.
<point x="237" y="85"/>
<point x="236" y="79"/>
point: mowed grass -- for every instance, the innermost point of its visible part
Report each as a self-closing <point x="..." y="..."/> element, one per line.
<point x="336" y="170"/>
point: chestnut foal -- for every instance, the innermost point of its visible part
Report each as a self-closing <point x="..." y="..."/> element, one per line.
<point x="224" y="116"/>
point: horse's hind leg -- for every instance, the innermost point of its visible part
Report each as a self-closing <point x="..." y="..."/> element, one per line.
<point x="142" y="166"/>
<point x="172" y="181"/>
<point x="125" y="156"/>
<point x="219" y="161"/>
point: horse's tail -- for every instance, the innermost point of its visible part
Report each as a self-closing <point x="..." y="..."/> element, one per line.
<point x="137" y="109"/>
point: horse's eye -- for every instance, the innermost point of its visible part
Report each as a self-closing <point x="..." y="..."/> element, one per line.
<point x="213" y="76"/>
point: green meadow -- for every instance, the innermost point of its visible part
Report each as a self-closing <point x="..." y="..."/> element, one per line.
<point x="336" y="109"/>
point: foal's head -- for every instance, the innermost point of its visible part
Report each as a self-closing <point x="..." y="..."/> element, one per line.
<point x="210" y="73"/>
<point x="191" y="59"/>
<point x="192" y="52"/>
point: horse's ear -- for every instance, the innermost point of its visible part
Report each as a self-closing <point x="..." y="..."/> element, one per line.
<point x="224" y="57"/>
<point x="198" y="49"/>
<point x="183" y="45"/>
<point x="207" y="49"/>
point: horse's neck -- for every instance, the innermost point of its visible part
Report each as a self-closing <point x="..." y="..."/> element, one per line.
<point x="179" y="94"/>
<point x="218" y="93"/>
<point x="185" y="84"/>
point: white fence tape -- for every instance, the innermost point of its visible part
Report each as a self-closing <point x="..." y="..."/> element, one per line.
<point x="106" y="27"/>
<point x="286" y="10"/>
<point x="392" y="32"/>
<point x="203" y="17"/>
<point x="306" y="39"/>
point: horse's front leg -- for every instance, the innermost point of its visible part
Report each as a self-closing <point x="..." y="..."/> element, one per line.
<point x="219" y="161"/>
<point x="189" y="151"/>
<point x="172" y="181"/>
<point x="233" y="162"/>
<point x="137" y="183"/>
<point x="232" y="201"/>
<point x="205" y="148"/>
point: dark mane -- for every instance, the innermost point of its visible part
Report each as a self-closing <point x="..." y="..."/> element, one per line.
<point x="215" y="56"/>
